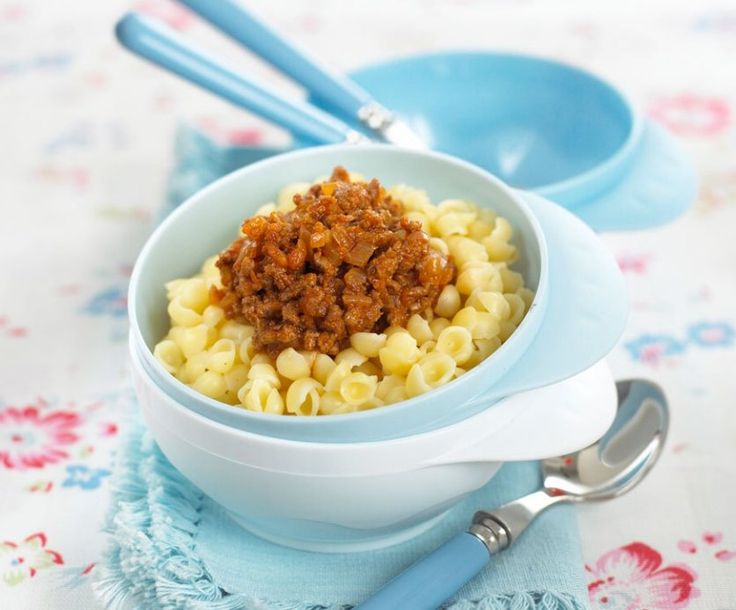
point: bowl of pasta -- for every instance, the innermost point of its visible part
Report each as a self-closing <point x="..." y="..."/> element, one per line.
<point x="345" y="497"/>
<point x="297" y="300"/>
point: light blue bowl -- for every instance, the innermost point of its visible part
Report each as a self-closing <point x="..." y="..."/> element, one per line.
<point x="540" y="125"/>
<point x="577" y="316"/>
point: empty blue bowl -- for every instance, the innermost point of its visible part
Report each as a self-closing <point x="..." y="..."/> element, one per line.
<point x="533" y="123"/>
<point x="543" y="126"/>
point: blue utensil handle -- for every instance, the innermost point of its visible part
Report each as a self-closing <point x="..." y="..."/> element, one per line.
<point x="162" y="46"/>
<point x="434" y="579"/>
<point x="242" y="25"/>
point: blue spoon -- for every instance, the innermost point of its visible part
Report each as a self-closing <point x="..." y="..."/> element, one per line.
<point x="342" y="93"/>
<point x="162" y="46"/>
<point x="604" y="470"/>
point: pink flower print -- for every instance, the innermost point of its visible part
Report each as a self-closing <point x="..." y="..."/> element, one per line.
<point x="108" y="429"/>
<point x="12" y="12"/>
<point x="631" y="578"/>
<point x="11" y="331"/>
<point x="41" y="487"/>
<point x="19" y="561"/>
<point x="171" y="13"/>
<point x="652" y="349"/>
<point x="693" y="115"/>
<point x="712" y="537"/>
<point x="633" y="263"/>
<point x="29" y="439"/>
<point x="725" y="555"/>
<point x="245" y="137"/>
<point x="712" y="334"/>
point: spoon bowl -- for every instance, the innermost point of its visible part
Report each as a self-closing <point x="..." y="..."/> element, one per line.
<point x="606" y="469"/>
<point x="619" y="460"/>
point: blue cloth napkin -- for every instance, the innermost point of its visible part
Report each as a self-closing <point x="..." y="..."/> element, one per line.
<point x="172" y="547"/>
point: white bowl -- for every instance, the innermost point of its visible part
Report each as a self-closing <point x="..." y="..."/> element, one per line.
<point x="578" y="313"/>
<point x="335" y="497"/>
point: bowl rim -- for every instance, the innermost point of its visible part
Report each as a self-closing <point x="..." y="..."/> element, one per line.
<point x="605" y="167"/>
<point x="424" y="450"/>
<point x="536" y="309"/>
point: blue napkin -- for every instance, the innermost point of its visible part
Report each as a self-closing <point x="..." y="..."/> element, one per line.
<point x="171" y="547"/>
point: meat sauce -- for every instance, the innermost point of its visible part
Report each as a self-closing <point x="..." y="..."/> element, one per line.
<point x="343" y="261"/>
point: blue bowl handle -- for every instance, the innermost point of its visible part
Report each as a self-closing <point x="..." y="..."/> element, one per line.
<point x="587" y="305"/>
<point x="659" y="186"/>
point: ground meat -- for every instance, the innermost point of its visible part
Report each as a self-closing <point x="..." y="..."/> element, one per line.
<point x="344" y="261"/>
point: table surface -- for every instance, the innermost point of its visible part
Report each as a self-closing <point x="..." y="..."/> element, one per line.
<point x="86" y="146"/>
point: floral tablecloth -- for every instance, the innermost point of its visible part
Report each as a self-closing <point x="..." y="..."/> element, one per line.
<point x="86" y="134"/>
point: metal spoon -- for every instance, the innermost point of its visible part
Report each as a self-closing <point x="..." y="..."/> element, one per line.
<point x="606" y="469"/>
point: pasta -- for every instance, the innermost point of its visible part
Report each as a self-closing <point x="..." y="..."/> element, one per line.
<point x="358" y="388"/>
<point x="418" y="328"/>
<point x="293" y="365"/>
<point x="260" y="396"/>
<point x="302" y="397"/>
<point x="456" y="342"/>
<point x="266" y="373"/>
<point x="400" y="352"/>
<point x="210" y="384"/>
<point x="322" y="367"/>
<point x="433" y="370"/>
<point x="471" y="318"/>
<point x="368" y="344"/>
<point x="221" y="356"/>
<point x="448" y="302"/>
<point x="169" y="354"/>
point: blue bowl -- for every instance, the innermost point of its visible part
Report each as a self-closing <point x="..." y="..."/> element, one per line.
<point x="576" y="318"/>
<point x="534" y="123"/>
<point x="543" y="126"/>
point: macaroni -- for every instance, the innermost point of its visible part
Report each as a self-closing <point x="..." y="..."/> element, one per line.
<point x="472" y="317"/>
<point x="302" y="397"/>
<point x="293" y="365"/>
<point x="368" y="344"/>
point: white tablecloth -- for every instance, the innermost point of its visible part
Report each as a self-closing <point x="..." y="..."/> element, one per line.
<point x="86" y="133"/>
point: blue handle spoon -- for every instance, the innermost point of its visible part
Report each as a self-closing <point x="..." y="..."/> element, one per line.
<point x="606" y="469"/>
<point x="353" y="102"/>
<point x="161" y="45"/>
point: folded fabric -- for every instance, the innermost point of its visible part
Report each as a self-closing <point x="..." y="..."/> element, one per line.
<point x="171" y="547"/>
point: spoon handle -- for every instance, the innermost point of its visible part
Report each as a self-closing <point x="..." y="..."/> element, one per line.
<point x="162" y="46"/>
<point x="239" y="23"/>
<point x="433" y="579"/>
